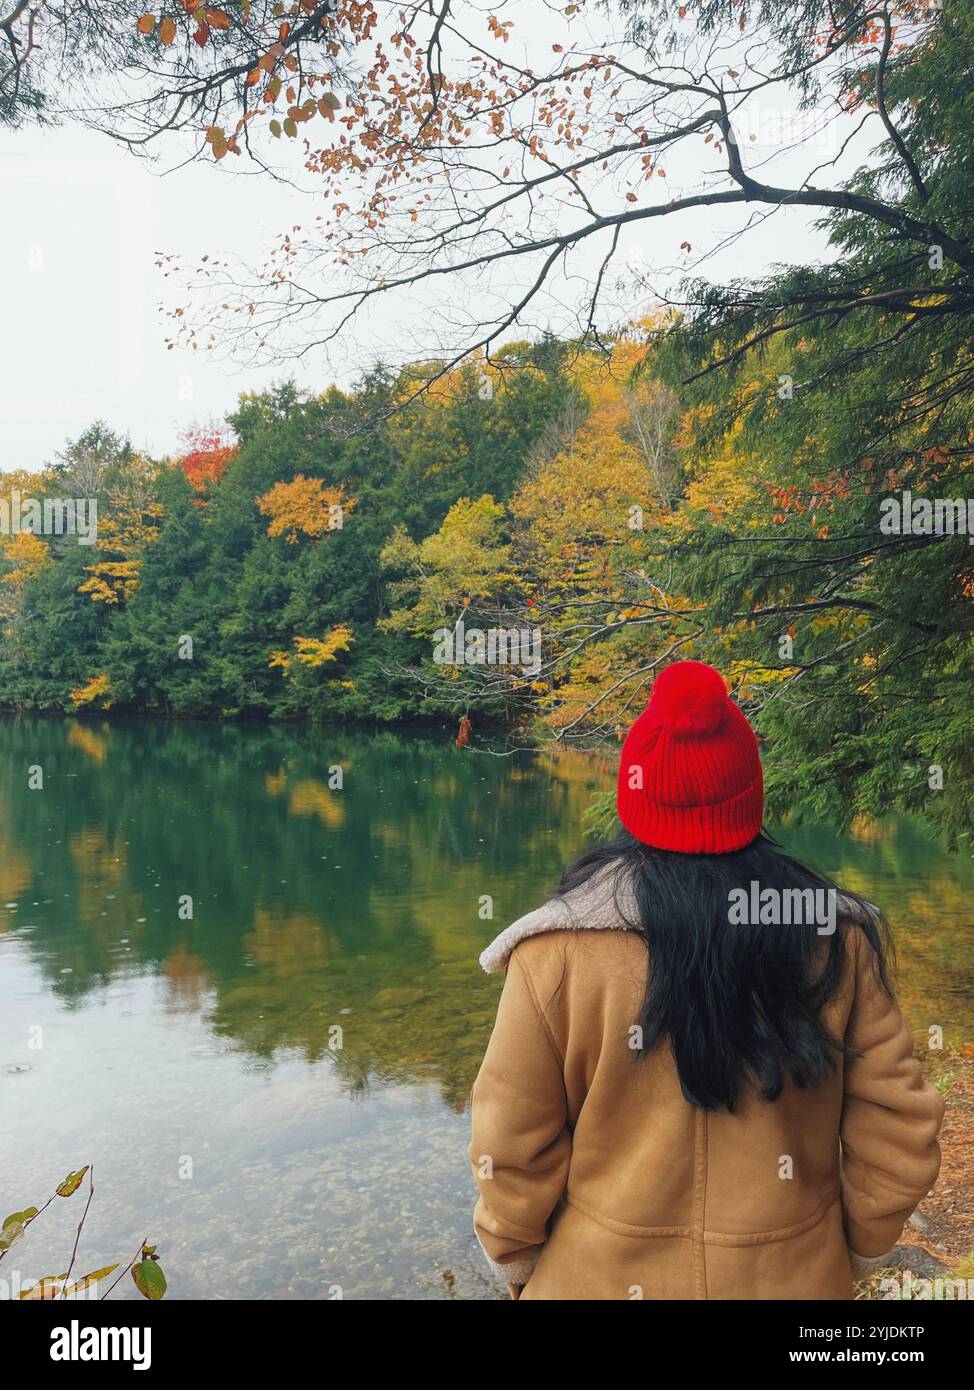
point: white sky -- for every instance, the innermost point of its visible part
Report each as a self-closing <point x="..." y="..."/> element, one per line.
<point x="83" y="338"/>
<point x="82" y="335"/>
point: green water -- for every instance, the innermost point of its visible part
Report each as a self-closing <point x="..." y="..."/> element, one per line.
<point x="194" y="1062"/>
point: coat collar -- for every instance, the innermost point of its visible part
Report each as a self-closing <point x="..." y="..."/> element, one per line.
<point x="604" y="903"/>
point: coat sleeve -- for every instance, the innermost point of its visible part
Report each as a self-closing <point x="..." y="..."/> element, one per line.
<point x="520" y="1147"/>
<point x="891" y="1117"/>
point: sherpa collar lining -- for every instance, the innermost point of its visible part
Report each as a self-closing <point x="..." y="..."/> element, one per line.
<point x="601" y="904"/>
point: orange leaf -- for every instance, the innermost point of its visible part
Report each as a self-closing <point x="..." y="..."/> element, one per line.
<point x="146" y="24"/>
<point x="167" y="32"/>
<point x="216" y="19"/>
<point x="201" y="35"/>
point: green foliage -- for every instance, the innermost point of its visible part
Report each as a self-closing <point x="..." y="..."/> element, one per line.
<point x="146" y="1271"/>
<point x="828" y="388"/>
<point x="208" y="570"/>
<point x="600" y="819"/>
<point x="148" y="1277"/>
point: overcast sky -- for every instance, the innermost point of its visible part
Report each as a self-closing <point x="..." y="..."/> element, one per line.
<point x="83" y="336"/>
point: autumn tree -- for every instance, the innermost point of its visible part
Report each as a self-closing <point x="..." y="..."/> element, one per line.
<point x="581" y="523"/>
<point x="127" y="527"/>
<point x="22" y="554"/>
<point x="304" y="507"/>
<point x="312" y="652"/>
<point x="466" y="561"/>
<point x="49" y="628"/>
<point x="559" y="560"/>
<point x="143" y="75"/>
<point x="208" y="450"/>
<point x="470" y="154"/>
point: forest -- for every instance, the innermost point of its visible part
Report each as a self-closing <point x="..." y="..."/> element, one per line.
<point x="711" y="478"/>
<point x="296" y="561"/>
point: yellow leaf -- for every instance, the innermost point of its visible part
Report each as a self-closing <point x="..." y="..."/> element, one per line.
<point x="72" y="1182"/>
<point x="47" y="1288"/>
<point x="86" y="1281"/>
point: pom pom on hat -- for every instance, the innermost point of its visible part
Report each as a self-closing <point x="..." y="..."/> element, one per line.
<point x="689" y="698"/>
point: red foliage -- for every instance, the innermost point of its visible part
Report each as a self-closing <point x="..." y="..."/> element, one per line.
<point x="208" y="451"/>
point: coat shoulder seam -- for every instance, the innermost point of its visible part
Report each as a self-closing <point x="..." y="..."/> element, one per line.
<point x="542" y="1018"/>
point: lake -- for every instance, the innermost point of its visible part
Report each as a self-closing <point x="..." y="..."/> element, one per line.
<point x="195" y="1061"/>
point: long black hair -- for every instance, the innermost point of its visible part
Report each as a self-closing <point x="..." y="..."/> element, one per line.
<point x="739" y="1002"/>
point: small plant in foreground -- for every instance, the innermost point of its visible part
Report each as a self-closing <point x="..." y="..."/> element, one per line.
<point x="144" y="1265"/>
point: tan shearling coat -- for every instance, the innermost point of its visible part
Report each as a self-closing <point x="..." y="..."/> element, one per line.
<point x="599" y="1181"/>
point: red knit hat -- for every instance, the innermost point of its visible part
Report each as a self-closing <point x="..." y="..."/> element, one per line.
<point x="690" y="773"/>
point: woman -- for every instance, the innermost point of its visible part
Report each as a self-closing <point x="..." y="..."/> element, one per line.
<point x="699" y="1084"/>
